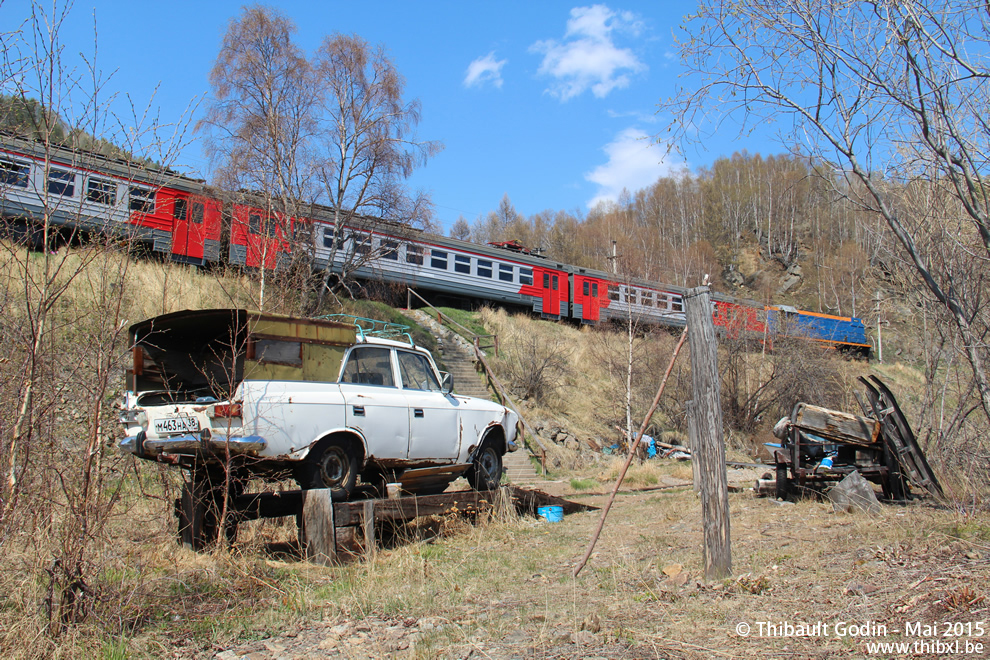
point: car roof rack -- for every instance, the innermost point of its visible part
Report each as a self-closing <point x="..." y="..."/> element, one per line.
<point x="372" y="327"/>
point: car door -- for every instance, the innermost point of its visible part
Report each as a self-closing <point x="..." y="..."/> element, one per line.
<point x="433" y="418"/>
<point x="374" y="404"/>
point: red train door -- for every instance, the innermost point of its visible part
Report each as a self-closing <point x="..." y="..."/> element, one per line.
<point x="187" y="228"/>
<point x="587" y="294"/>
<point x="551" y="292"/>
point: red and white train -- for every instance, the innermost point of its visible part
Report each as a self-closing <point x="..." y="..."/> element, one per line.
<point x="182" y="218"/>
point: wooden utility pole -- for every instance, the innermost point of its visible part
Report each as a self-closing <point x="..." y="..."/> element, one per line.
<point x="692" y="423"/>
<point x="711" y="444"/>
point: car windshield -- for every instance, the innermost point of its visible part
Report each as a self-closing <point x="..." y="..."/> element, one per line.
<point x="416" y="372"/>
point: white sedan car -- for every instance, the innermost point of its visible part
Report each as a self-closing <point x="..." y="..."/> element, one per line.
<point x="249" y="394"/>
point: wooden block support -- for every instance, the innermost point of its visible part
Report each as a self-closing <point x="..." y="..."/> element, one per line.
<point x="318" y="534"/>
<point x="711" y="440"/>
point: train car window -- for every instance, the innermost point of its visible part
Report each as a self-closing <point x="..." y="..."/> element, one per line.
<point x="613" y="292"/>
<point x="678" y="305"/>
<point x="648" y="298"/>
<point x="62" y="183"/>
<point x="594" y="289"/>
<point x="271" y="228"/>
<point x="197" y="213"/>
<point x="178" y="208"/>
<point x="505" y="272"/>
<point x="362" y="243"/>
<point x="585" y="288"/>
<point x="632" y="296"/>
<point x="142" y="200"/>
<point x="526" y="276"/>
<point x="390" y="250"/>
<point x="555" y="283"/>
<point x="254" y="223"/>
<point x="414" y="254"/>
<point x="100" y="191"/>
<point x="484" y="268"/>
<point x="546" y="280"/>
<point x="462" y="264"/>
<point x="329" y="236"/>
<point x="14" y="174"/>
<point x="662" y="300"/>
<point x="438" y="259"/>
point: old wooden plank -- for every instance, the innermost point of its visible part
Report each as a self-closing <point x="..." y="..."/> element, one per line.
<point x="252" y="506"/>
<point x="527" y="501"/>
<point x="836" y="425"/>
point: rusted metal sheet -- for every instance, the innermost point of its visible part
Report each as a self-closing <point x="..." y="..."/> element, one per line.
<point x="899" y="438"/>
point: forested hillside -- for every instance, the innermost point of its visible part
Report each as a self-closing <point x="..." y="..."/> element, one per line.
<point x="770" y="228"/>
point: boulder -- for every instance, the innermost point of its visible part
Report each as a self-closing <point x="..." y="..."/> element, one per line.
<point x="854" y="492"/>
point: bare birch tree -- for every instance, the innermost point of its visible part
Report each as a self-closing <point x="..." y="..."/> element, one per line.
<point x="367" y="146"/>
<point x="332" y="129"/>
<point x="888" y="93"/>
<point x="260" y="123"/>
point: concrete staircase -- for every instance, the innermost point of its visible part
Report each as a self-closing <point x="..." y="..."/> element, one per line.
<point x="458" y="358"/>
<point x="519" y="469"/>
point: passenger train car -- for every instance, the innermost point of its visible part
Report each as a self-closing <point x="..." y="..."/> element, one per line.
<point x="184" y="219"/>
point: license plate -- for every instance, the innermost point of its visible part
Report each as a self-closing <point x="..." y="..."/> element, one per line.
<point x="182" y="424"/>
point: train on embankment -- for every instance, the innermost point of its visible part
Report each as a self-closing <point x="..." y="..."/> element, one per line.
<point x="189" y="222"/>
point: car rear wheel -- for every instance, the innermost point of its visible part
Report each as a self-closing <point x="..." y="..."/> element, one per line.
<point x="486" y="468"/>
<point x="332" y="464"/>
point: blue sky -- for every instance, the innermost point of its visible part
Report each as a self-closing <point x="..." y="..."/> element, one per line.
<point x="551" y="103"/>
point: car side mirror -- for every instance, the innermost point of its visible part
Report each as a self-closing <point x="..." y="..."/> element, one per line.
<point x="446" y="382"/>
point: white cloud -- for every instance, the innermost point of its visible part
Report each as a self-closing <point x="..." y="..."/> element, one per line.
<point x="634" y="162"/>
<point x="587" y="57"/>
<point x="485" y="70"/>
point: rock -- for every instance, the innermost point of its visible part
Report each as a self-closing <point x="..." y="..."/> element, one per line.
<point x="859" y="589"/>
<point x="733" y="276"/>
<point x="584" y="638"/>
<point x="854" y="492"/>
<point x="787" y="283"/>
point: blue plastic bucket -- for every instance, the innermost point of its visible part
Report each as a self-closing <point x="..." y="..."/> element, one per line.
<point x="551" y="513"/>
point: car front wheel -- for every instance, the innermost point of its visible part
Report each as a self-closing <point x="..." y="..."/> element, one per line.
<point x="486" y="468"/>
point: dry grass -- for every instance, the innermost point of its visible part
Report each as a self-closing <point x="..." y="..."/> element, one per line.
<point x="503" y="587"/>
